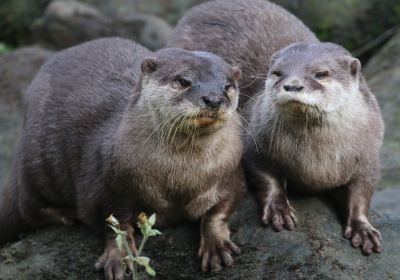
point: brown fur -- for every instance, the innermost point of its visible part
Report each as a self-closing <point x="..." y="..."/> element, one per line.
<point x="109" y="131"/>
<point x="244" y="33"/>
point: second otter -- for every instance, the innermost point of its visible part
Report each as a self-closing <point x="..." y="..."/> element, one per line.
<point x="318" y="128"/>
<point x="111" y="128"/>
<point x="317" y="133"/>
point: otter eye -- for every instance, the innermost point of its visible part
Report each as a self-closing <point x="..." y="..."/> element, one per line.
<point x="277" y="73"/>
<point x="183" y="83"/>
<point x="228" y="86"/>
<point x="321" y="75"/>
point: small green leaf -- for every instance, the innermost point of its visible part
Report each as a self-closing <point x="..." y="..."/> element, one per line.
<point x="150" y="271"/>
<point x="112" y="220"/>
<point x="114" y="229"/>
<point x="130" y="258"/>
<point x="120" y="242"/>
<point x="154" y="232"/>
<point x="144" y="261"/>
<point x="117" y="230"/>
<point x="152" y="220"/>
<point x="145" y="229"/>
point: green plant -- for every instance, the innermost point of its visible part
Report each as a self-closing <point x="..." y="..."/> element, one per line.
<point x="146" y="228"/>
<point x="4" y="48"/>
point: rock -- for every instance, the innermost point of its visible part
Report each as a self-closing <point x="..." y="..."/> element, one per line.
<point x="67" y="23"/>
<point x="387" y="201"/>
<point x="17" y="69"/>
<point x="315" y="250"/>
<point x="383" y="75"/>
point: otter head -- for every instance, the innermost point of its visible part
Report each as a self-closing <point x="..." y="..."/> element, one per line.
<point x="196" y="92"/>
<point x="312" y="80"/>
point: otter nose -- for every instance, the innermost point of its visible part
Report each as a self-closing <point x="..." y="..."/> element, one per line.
<point x="293" y="88"/>
<point x="212" y="101"/>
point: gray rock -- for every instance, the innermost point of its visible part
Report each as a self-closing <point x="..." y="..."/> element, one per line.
<point x="17" y="69"/>
<point x="67" y="23"/>
<point x="383" y="75"/>
<point x="387" y="201"/>
<point x="315" y="250"/>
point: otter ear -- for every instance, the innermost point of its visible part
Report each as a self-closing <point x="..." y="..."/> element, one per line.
<point x="236" y="73"/>
<point x="355" y="67"/>
<point x="149" y="65"/>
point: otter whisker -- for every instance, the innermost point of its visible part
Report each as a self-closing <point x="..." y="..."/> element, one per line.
<point x="252" y="82"/>
<point x="246" y="126"/>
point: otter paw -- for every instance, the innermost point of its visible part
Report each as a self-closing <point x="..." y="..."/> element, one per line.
<point x="362" y="234"/>
<point x="111" y="261"/>
<point x="214" y="254"/>
<point x="280" y="214"/>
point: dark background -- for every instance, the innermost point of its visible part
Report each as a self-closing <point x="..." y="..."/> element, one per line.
<point x="355" y="24"/>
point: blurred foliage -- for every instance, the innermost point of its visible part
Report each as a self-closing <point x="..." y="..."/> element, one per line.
<point x="16" y="18"/>
<point x="170" y="10"/>
<point x="351" y="23"/>
<point x="4" y="48"/>
<point x="378" y="18"/>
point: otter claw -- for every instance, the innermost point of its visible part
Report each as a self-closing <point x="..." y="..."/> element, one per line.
<point x="363" y="235"/>
<point x="215" y="255"/>
<point x="280" y="214"/>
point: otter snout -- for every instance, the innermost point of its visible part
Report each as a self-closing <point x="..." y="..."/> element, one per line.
<point x="212" y="101"/>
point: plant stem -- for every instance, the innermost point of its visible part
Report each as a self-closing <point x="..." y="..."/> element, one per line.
<point x="138" y="255"/>
<point x="142" y="245"/>
<point x="128" y="250"/>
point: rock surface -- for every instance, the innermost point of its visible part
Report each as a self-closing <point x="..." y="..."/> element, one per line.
<point x="315" y="250"/>
<point x="17" y="69"/>
<point x="383" y="75"/>
<point x="67" y="23"/>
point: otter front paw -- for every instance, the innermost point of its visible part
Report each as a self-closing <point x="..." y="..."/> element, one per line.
<point x="215" y="253"/>
<point x="280" y="214"/>
<point x="362" y="234"/>
<point x="111" y="261"/>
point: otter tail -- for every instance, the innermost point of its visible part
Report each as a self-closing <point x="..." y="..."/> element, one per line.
<point x="11" y="221"/>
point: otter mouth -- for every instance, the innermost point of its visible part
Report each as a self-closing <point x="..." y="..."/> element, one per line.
<point x="297" y="107"/>
<point x="206" y="121"/>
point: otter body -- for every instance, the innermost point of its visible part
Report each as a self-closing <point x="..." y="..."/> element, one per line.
<point x="316" y="127"/>
<point x="111" y="128"/>
<point x="243" y="33"/>
<point x="319" y="134"/>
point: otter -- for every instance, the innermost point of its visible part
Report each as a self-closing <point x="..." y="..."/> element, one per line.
<point x="308" y="148"/>
<point x="317" y="127"/>
<point x="111" y="128"/>
<point x="244" y="33"/>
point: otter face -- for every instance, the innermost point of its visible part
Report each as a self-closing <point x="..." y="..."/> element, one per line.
<point x="195" y="91"/>
<point x="312" y="79"/>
